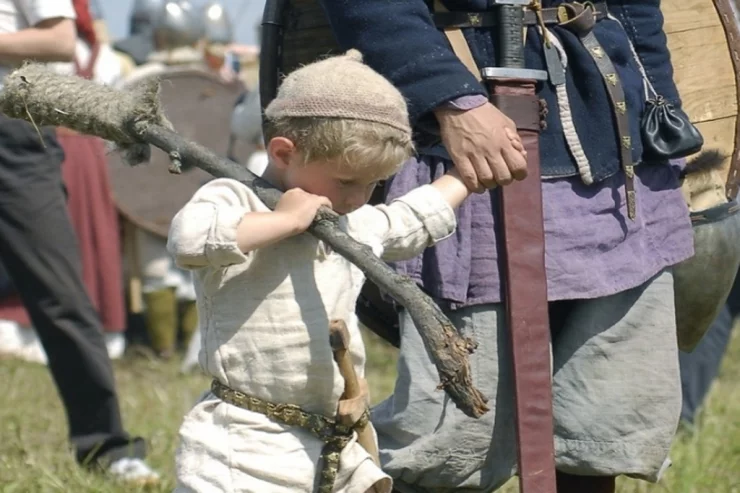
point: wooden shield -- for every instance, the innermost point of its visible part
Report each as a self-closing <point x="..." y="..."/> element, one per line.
<point x="703" y="38"/>
<point x="199" y="106"/>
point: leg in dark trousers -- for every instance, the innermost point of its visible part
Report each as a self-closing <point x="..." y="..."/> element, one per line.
<point x="39" y="250"/>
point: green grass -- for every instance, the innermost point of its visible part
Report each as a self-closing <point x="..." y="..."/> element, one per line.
<point x="34" y="454"/>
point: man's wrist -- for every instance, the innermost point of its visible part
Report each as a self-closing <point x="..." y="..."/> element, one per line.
<point x="464" y="103"/>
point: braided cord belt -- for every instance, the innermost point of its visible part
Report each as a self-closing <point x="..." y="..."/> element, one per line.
<point x="335" y="435"/>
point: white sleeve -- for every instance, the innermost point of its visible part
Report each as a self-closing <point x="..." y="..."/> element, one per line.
<point x="406" y="226"/>
<point x="36" y="11"/>
<point x="203" y="232"/>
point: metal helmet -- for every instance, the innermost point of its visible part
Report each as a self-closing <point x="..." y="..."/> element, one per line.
<point x="146" y="15"/>
<point x="180" y="25"/>
<point x="218" y="29"/>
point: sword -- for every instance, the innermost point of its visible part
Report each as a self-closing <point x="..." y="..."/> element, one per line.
<point x="512" y="89"/>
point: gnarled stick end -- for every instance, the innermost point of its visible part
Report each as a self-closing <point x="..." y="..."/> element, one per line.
<point x="43" y="97"/>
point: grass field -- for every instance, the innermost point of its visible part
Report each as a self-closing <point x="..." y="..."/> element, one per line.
<point x="34" y="455"/>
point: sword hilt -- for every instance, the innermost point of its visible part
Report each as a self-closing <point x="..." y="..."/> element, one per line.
<point x="511" y="43"/>
<point x="511" y="24"/>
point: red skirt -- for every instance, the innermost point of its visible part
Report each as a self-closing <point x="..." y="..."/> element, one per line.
<point x="95" y="221"/>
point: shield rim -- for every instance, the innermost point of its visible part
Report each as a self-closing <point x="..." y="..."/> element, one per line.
<point x="730" y="20"/>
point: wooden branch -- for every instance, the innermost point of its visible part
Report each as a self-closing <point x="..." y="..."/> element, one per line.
<point x="133" y="119"/>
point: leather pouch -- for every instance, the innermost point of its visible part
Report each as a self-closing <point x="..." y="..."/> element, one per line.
<point x="666" y="131"/>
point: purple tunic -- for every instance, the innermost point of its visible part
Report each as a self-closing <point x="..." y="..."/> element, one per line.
<point x="591" y="248"/>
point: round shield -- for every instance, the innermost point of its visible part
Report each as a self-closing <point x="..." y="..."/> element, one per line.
<point x="707" y="72"/>
<point x="199" y="106"/>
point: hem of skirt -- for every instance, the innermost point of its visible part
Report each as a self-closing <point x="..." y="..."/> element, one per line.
<point x="615" y="458"/>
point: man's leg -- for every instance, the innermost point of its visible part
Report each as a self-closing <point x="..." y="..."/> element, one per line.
<point x="426" y="443"/>
<point x="39" y="250"/>
<point x="616" y="387"/>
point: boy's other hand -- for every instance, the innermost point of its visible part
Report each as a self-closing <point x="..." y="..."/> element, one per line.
<point x="300" y="207"/>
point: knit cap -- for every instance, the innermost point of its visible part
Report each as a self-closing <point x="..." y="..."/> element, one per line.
<point x="340" y="87"/>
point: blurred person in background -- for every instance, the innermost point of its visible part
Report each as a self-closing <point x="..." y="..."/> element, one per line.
<point x="89" y="196"/>
<point x="40" y="252"/>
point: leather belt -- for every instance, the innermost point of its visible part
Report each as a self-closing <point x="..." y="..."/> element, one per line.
<point x="462" y="20"/>
<point x="580" y="20"/>
<point x="334" y="434"/>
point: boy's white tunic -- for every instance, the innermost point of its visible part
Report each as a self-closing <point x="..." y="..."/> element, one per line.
<point x="264" y="320"/>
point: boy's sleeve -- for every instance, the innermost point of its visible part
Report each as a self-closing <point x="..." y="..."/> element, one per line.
<point x="203" y="232"/>
<point x="406" y="226"/>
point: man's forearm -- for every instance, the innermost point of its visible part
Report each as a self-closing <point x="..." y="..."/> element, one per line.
<point x="55" y="43"/>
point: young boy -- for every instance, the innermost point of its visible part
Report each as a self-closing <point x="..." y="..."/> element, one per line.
<point x="266" y="292"/>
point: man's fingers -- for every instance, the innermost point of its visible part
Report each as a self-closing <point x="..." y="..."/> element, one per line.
<point x="485" y="173"/>
<point x="513" y="135"/>
<point x="516" y="162"/>
<point x="500" y="170"/>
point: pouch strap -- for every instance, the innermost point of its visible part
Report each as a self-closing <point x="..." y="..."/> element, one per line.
<point x="578" y="18"/>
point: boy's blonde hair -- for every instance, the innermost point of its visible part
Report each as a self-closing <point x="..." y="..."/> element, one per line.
<point x="342" y="111"/>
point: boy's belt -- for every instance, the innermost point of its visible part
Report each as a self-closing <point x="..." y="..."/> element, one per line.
<point x="463" y="20"/>
<point x="334" y="434"/>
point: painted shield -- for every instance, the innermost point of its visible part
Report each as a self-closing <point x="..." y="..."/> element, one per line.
<point x="199" y="106"/>
<point x="703" y="37"/>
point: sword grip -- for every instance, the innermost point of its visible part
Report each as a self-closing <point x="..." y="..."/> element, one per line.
<point x="511" y="24"/>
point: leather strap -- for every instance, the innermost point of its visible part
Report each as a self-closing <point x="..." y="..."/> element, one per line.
<point x="526" y="288"/>
<point x="580" y="19"/>
<point x="444" y="19"/>
<point x="459" y="44"/>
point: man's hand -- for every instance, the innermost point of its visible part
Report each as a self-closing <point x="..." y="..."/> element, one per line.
<point x="484" y="145"/>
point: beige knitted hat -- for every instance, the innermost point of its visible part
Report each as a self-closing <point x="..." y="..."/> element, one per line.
<point x="340" y="87"/>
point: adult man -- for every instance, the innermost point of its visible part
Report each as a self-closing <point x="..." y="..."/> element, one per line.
<point x="616" y="378"/>
<point x="39" y="250"/>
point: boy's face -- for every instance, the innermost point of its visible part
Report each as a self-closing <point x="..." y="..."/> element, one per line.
<point x="347" y="190"/>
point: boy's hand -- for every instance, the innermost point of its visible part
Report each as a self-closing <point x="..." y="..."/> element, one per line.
<point x="300" y="207"/>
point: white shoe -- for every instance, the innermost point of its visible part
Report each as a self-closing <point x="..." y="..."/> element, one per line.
<point x="115" y="342"/>
<point x="133" y="470"/>
<point x="21" y="343"/>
